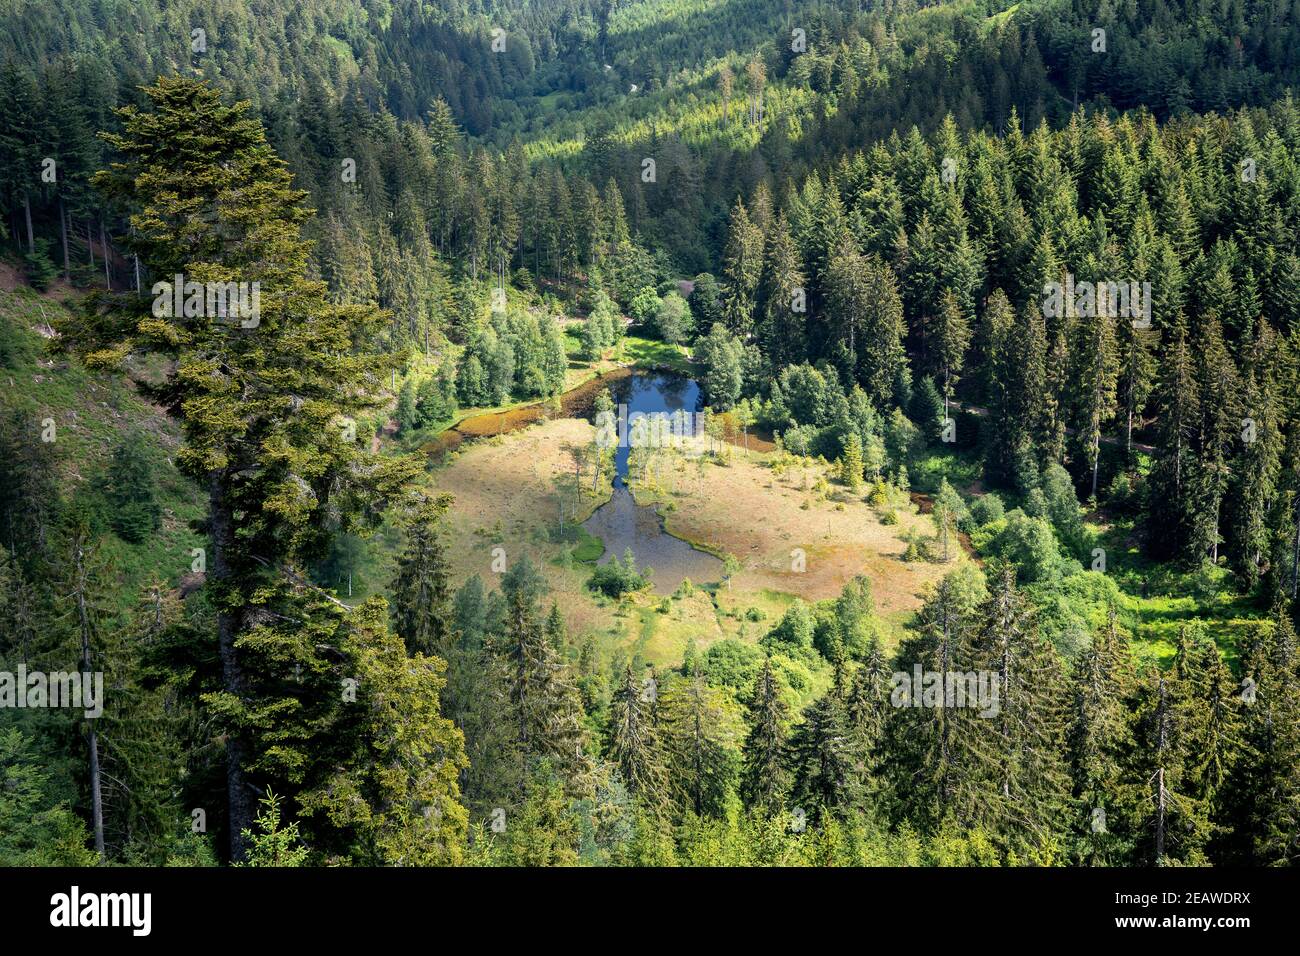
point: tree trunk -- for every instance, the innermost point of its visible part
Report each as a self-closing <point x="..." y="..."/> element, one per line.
<point x="103" y="245"/>
<point x="27" y="213"/>
<point x="92" y="736"/>
<point x="1214" y="548"/>
<point x="1295" y="561"/>
<point x="238" y="796"/>
<point x="1160" y="816"/>
<point x="63" y="231"/>
<point x="1096" y="461"/>
<point x="96" y="794"/>
<point x="1162" y="743"/>
<point x="1178" y="460"/>
<point x="942" y="713"/>
<point x="90" y="244"/>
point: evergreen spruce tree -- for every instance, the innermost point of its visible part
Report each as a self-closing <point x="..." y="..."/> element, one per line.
<point x="698" y="732"/>
<point x="1099" y="737"/>
<point x="868" y="710"/>
<point x="145" y="731"/>
<point x="1217" y="431"/>
<point x="782" y="299"/>
<point x="1172" y="511"/>
<point x="422" y="589"/>
<point x="951" y="340"/>
<point x="994" y="340"/>
<point x="1210" y="712"/>
<point x="1261" y="804"/>
<point x="1097" y="377"/>
<point x="264" y="398"/>
<point x="635" y="746"/>
<point x="826" y="767"/>
<point x="272" y="844"/>
<point x="88" y="610"/>
<point x="923" y="761"/>
<point x="1256" y="467"/>
<point x="743" y="267"/>
<point x="763" y="778"/>
<point x="1015" y="781"/>
<point x="851" y="463"/>
<point x="546" y="704"/>
<point x="133" y="491"/>
<point x="1173" y="826"/>
<point x="866" y="321"/>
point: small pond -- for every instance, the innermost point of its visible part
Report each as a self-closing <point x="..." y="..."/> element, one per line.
<point x="621" y="523"/>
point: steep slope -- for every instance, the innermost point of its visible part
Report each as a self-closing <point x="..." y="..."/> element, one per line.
<point x="86" y="417"/>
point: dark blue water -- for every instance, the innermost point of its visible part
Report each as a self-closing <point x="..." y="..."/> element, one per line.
<point x="621" y="523"/>
<point x="650" y="394"/>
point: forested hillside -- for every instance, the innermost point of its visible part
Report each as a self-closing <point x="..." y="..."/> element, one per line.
<point x="1006" y="296"/>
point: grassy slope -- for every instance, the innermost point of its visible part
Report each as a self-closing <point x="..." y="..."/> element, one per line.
<point x="92" y="413"/>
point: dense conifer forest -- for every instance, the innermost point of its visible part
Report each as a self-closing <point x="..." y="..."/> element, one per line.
<point x="313" y="317"/>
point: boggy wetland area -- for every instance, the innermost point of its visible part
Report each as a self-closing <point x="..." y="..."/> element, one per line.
<point x="681" y="513"/>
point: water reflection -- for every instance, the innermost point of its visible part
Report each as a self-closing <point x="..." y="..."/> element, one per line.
<point x="621" y="523"/>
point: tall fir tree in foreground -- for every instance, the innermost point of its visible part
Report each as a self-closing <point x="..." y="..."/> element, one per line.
<point x="827" y="771"/>
<point x="924" y="759"/>
<point x="1260" y="805"/>
<point x="544" y="698"/>
<point x="266" y="394"/>
<point x="868" y="707"/>
<point x="1172" y="826"/>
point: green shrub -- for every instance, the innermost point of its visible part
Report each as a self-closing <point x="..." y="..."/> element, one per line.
<point x="617" y="577"/>
<point x="986" y="508"/>
<point x="133" y="492"/>
<point x="40" y="268"/>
